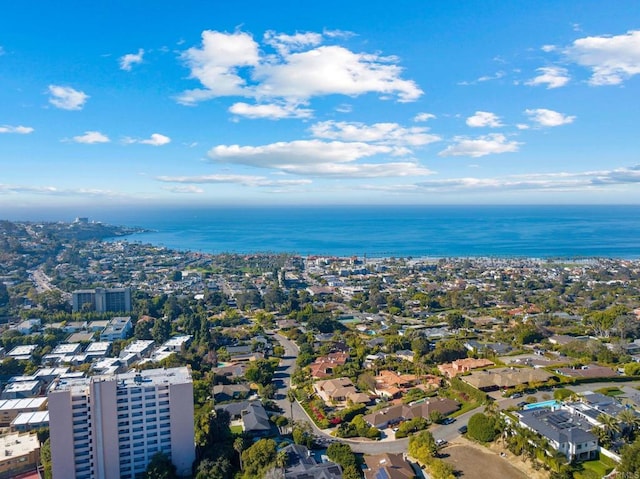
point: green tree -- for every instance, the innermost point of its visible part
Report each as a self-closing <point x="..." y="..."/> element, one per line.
<point x="422" y="446"/>
<point x="260" y="371"/>
<point x="45" y="458"/>
<point x="218" y="469"/>
<point x="438" y="469"/>
<point x="481" y="428"/>
<point x="258" y="458"/>
<point x="160" y="467"/>
<point x="341" y="454"/>
<point x="630" y="460"/>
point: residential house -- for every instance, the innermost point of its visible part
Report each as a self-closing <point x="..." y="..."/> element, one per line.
<point x="566" y="433"/>
<point x="388" y="466"/>
<point x="302" y="465"/>
<point x="391" y="384"/>
<point x="340" y="391"/>
<point x="118" y="328"/>
<point x="324" y="366"/>
<point x="460" y="366"/>
<point x="230" y="392"/>
<point x="403" y="412"/>
<point x="588" y="371"/>
<point x="493" y="379"/>
<point x="251" y="414"/>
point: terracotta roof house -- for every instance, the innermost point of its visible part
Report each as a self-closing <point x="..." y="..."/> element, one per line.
<point x="402" y="412"/>
<point x="388" y="466"/>
<point x="461" y="366"/>
<point x="324" y="366"/>
<point x="391" y="384"/>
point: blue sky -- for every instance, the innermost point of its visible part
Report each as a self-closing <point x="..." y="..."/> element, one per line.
<point x="406" y="102"/>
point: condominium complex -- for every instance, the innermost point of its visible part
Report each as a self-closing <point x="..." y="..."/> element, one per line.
<point x="102" y="300"/>
<point x="109" y="427"/>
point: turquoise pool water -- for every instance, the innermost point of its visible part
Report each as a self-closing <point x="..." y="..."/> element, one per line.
<point x="536" y="405"/>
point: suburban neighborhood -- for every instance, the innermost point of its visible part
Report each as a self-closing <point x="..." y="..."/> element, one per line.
<point x="129" y="360"/>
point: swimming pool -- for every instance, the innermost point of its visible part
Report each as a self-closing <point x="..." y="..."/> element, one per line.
<point x="536" y="405"/>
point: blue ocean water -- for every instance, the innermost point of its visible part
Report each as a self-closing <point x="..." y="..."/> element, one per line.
<point x="398" y="231"/>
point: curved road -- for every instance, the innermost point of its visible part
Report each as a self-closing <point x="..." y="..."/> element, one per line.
<point x="282" y="380"/>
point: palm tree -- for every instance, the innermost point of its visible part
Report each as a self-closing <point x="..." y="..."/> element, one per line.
<point x="629" y="422"/>
<point x="609" y="424"/>
<point x="281" y="460"/>
<point x="238" y="445"/>
<point x="291" y="396"/>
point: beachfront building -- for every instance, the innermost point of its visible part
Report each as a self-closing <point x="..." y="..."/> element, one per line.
<point x="109" y="427"/>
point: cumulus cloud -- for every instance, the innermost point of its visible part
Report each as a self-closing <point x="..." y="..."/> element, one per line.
<point x="481" y="146"/>
<point x="424" y="117"/>
<point x="233" y="65"/>
<point x="284" y="43"/>
<point x="91" y="137"/>
<point x="20" y="130"/>
<point x="319" y="158"/>
<point x="384" y="133"/>
<point x="67" y="98"/>
<point x="130" y="59"/>
<point x="543" y="117"/>
<point x="496" y="76"/>
<point x="270" y="111"/>
<point x="552" y="77"/>
<point x="611" y="59"/>
<point x="156" y="139"/>
<point x="483" y="119"/>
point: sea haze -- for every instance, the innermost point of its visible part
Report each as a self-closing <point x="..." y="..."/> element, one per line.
<point x="399" y="231"/>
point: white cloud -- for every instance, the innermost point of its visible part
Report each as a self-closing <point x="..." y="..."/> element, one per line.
<point x="67" y="98"/>
<point x="483" y="119"/>
<point x="216" y="65"/>
<point x="553" y="77"/>
<point x="344" y="108"/>
<point x="20" y="130"/>
<point x="130" y="59"/>
<point x="284" y="43"/>
<point x="244" y="180"/>
<point x="232" y="65"/>
<point x="270" y="111"/>
<point x="522" y="126"/>
<point x="319" y="158"/>
<point x="424" y="117"/>
<point x="496" y="76"/>
<point x="481" y="146"/>
<point x="383" y="133"/>
<point x="189" y="189"/>
<point x="156" y="139"/>
<point x="90" y="137"/>
<point x="548" y="48"/>
<point x="612" y="59"/>
<point x="544" y="117"/>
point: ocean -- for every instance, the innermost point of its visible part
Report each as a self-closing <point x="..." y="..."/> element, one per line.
<point x="393" y="231"/>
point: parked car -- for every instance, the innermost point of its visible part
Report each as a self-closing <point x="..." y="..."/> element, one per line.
<point x="448" y="420"/>
<point x="522" y="403"/>
<point x="462" y="429"/>
<point x="440" y="442"/>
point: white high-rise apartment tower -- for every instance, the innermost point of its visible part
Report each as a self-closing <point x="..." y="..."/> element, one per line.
<point x="109" y="427"/>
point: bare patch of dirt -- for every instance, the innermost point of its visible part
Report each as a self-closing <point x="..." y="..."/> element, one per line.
<point x="473" y="461"/>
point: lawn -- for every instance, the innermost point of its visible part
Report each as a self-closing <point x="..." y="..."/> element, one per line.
<point x="611" y="391"/>
<point x="602" y="467"/>
<point x="236" y="430"/>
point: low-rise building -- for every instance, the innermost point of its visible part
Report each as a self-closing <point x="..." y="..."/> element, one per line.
<point x="339" y="391"/>
<point x="388" y="466"/>
<point x="118" y="328"/>
<point x="566" y="433"/>
<point x="18" y="453"/>
<point x="11" y="408"/>
<point x="30" y="421"/>
<point x="493" y="379"/>
<point x="403" y="412"/>
<point x="461" y="366"/>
